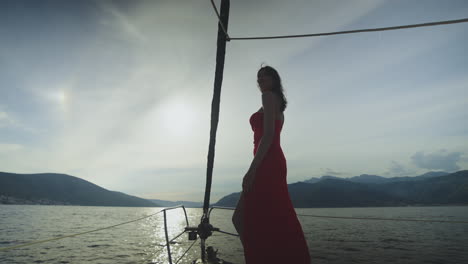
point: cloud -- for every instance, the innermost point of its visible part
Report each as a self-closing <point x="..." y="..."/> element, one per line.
<point x="5" y="119"/>
<point x="124" y="22"/>
<point x="8" y="148"/>
<point x="12" y="122"/>
<point x="107" y="113"/>
<point x="440" y="160"/>
<point x="328" y="171"/>
<point x="397" y="170"/>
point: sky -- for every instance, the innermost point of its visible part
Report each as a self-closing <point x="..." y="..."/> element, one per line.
<point x="119" y="92"/>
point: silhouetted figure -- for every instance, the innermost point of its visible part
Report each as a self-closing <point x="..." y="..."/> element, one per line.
<point x="265" y="217"/>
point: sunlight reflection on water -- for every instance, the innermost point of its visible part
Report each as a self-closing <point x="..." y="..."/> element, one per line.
<point x="329" y="240"/>
<point x="154" y="229"/>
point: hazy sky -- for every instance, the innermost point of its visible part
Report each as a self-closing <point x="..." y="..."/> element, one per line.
<point x="119" y="92"/>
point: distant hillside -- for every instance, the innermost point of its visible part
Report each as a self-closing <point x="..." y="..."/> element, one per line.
<point x="324" y="177"/>
<point x="187" y="204"/>
<point x="52" y="188"/>
<point x="366" y="178"/>
<point x="449" y="189"/>
<point x="335" y="192"/>
<point x="338" y="193"/>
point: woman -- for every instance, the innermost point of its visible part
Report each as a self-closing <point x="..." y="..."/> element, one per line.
<point x="265" y="218"/>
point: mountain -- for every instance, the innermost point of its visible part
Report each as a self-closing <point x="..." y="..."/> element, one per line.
<point x="327" y="193"/>
<point x="448" y="189"/>
<point x="52" y="188"/>
<point x="229" y="200"/>
<point x="324" y="177"/>
<point x="338" y="193"/>
<point x="187" y="204"/>
<point x="429" y="189"/>
<point x="366" y="178"/>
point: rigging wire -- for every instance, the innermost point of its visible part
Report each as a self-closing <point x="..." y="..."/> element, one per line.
<point x="388" y="219"/>
<point x="77" y="234"/>
<point x="350" y="217"/>
<point x="163" y="247"/>
<point x="318" y="216"/>
<point x="228" y="38"/>
<point x="186" y="251"/>
<point x="219" y="19"/>
<point x="428" y="24"/>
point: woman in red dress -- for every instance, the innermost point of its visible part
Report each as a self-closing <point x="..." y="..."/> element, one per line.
<point x="265" y="217"/>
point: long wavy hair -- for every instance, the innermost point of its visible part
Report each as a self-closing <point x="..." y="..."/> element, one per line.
<point x="277" y="86"/>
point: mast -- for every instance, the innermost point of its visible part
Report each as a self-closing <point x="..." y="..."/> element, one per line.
<point x="205" y="228"/>
<point x="220" y="54"/>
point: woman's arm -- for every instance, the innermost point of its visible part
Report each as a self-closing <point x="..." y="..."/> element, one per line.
<point x="269" y="110"/>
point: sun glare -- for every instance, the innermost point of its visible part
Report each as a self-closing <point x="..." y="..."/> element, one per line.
<point x="62" y="97"/>
<point x="178" y="117"/>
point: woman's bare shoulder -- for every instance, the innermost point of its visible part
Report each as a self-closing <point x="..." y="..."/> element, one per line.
<point x="277" y="104"/>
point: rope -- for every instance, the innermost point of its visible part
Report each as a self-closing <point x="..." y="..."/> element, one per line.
<point x="219" y="19"/>
<point x="388" y="219"/>
<point x="429" y="24"/>
<point x="186" y="251"/>
<point x="74" y="235"/>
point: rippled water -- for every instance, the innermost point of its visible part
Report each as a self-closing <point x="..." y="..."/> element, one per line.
<point x="330" y="240"/>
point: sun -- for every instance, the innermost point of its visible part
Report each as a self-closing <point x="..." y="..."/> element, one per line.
<point x="178" y="117"/>
<point x="62" y="97"/>
<point x="59" y="96"/>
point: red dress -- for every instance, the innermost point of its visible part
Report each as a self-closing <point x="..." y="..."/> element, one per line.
<point x="272" y="232"/>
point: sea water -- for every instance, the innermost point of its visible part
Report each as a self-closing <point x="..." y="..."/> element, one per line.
<point x="330" y="240"/>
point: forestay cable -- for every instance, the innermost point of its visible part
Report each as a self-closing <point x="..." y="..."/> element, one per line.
<point x="429" y="24"/>
<point x="219" y="20"/>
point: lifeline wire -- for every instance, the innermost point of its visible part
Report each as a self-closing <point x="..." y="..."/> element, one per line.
<point x="219" y="19"/>
<point x="360" y="218"/>
<point x="429" y="24"/>
<point x="74" y="235"/>
<point x="388" y="219"/>
<point x="164" y="246"/>
<point x="186" y="251"/>
<point x="319" y="216"/>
